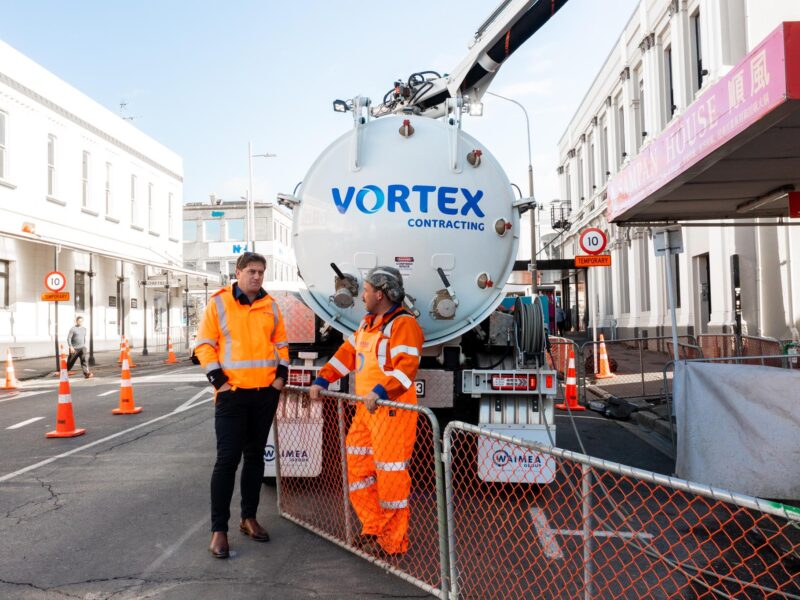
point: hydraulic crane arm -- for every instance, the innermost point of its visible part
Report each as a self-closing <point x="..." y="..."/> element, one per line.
<point x="506" y="29"/>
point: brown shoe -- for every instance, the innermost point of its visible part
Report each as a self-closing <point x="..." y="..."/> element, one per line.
<point x="219" y="545"/>
<point x="250" y="527"/>
<point x="89" y="375"/>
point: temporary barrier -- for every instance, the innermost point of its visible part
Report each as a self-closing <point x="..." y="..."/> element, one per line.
<point x="558" y="359"/>
<point x="571" y="388"/>
<point x="11" y="382"/>
<point x="65" y="421"/>
<point x="333" y="463"/>
<point x="171" y="360"/>
<point x="605" y="530"/>
<point x="604" y="369"/>
<point x="126" y="404"/>
<point x="128" y="354"/>
<point x="121" y="350"/>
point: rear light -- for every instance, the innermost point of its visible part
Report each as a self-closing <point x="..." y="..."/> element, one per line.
<point x="513" y="382"/>
<point x="548" y="382"/>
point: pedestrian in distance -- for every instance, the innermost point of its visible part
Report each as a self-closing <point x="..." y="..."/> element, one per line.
<point x="384" y="352"/>
<point x="561" y="318"/>
<point x="76" y="340"/>
<point x="241" y="344"/>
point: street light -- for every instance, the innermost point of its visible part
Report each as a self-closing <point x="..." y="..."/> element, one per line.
<point x="251" y="211"/>
<point x="532" y="266"/>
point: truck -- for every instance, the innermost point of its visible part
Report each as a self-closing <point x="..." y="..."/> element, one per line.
<point x="407" y="187"/>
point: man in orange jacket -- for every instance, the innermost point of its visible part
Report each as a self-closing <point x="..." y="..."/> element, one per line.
<point x="385" y="353"/>
<point x="241" y="344"/>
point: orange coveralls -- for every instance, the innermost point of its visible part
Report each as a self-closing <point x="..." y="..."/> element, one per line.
<point x="385" y="353"/>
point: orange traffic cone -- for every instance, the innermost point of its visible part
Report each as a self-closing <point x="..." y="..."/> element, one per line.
<point x="571" y="392"/>
<point x="171" y="360"/>
<point x="11" y="378"/>
<point x="605" y="369"/>
<point x="126" y="404"/>
<point x="121" y="350"/>
<point x="65" y="422"/>
<point x="128" y="355"/>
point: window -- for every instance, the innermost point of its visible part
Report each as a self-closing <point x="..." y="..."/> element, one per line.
<point x="134" y="216"/>
<point x="668" y="83"/>
<point x="170" y="215"/>
<point x="642" y="117"/>
<point x="590" y="162"/>
<point x="609" y="292"/>
<point x="108" y="189"/>
<point x="151" y="218"/>
<point x="580" y="178"/>
<point x="51" y="165"/>
<point x="3" y="127"/>
<point x="236" y="230"/>
<point x="644" y="272"/>
<point x="697" y="53"/>
<point x="212" y="232"/>
<point x="621" y="130"/>
<point x="624" y="285"/>
<point x="603" y="152"/>
<point x="4" y="284"/>
<point x="568" y="183"/>
<point x="80" y="290"/>
<point x="85" y="180"/>
<point x="190" y="231"/>
<point x="212" y="266"/>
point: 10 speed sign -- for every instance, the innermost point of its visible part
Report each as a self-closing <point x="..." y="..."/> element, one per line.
<point x="55" y="281"/>
<point x="593" y="240"/>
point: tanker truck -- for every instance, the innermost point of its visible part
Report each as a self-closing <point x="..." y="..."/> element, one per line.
<point x="408" y="187"/>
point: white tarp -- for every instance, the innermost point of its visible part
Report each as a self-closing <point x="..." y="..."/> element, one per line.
<point x="738" y="427"/>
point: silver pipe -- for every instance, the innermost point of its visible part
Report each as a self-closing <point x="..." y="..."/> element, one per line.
<point x="447" y="458"/>
<point x="348" y="526"/>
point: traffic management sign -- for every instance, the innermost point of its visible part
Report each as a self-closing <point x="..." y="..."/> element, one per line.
<point x="55" y="281"/>
<point x="55" y="297"/>
<point x="597" y="260"/>
<point x="593" y="240"/>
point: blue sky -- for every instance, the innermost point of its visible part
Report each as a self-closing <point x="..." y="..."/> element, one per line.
<point x="205" y="77"/>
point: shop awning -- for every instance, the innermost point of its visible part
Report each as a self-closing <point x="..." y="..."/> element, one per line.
<point x="733" y="154"/>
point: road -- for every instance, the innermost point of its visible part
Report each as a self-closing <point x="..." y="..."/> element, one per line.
<point x="122" y="512"/>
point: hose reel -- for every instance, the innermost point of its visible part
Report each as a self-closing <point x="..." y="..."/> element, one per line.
<point x="531" y="336"/>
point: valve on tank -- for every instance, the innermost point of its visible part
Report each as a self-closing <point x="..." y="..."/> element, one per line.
<point x="474" y="158"/>
<point x="444" y="303"/>
<point x="406" y="130"/>
<point x="346" y="287"/>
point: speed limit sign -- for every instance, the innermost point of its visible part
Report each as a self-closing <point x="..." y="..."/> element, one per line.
<point x="55" y="281"/>
<point x="593" y="240"/>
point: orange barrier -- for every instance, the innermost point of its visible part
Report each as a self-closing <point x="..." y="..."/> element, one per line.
<point x="126" y="403"/>
<point x="171" y="360"/>
<point x="605" y="369"/>
<point x="571" y="393"/>
<point x="65" y="422"/>
<point x="121" y="350"/>
<point x="11" y="378"/>
<point x="128" y="355"/>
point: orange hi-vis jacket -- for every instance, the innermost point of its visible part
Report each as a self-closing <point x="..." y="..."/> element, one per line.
<point x="247" y="341"/>
<point x="397" y="349"/>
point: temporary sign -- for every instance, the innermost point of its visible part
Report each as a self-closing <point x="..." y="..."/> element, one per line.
<point x="593" y="240"/>
<point x="598" y="260"/>
<point x="55" y="297"/>
<point x="55" y="281"/>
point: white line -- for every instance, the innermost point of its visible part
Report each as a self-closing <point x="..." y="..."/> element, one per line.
<point x="545" y="534"/>
<point x="173" y="548"/>
<point x="108" y="393"/>
<point x="23" y="395"/>
<point x="188" y="404"/>
<point x="23" y="423"/>
<point x="95" y="443"/>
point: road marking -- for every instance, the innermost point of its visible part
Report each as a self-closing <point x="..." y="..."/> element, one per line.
<point x="23" y="395"/>
<point x="108" y="393"/>
<point x="550" y="545"/>
<point x="173" y="548"/>
<point x="95" y="443"/>
<point x="188" y="404"/>
<point x="23" y="423"/>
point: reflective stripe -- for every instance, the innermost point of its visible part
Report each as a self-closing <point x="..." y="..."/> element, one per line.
<point x="64" y="399"/>
<point x="223" y="325"/>
<point x="212" y="366"/>
<point x="249" y="364"/>
<point x="212" y="343"/>
<point x="352" y="340"/>
<point x="394" y="505"/>
<point x="401" y="377"/>
<point x="360" y="485"/>
<point x="284" y="363"/>
<point x="125" y="383"/>
<point x="282" y="345"/>
<point x="382" y="345"/>
<point x="387" y="331"/>
<point x="410" y="350"/>
<point x="391" y="466"/>
<point x="339" y="366"/>
<point x="359" y="450"/>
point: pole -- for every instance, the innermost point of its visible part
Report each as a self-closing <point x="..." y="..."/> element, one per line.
<point x="55" y="310"/>
<point x="92" y="362"/>
<point x="251" y="242"/>
<point x="186" y="310"/>
<point x="166" y="286"/>
<point x="145" y="351"/>
<point x="593" y="308"/>
<point x="671" y="294"/>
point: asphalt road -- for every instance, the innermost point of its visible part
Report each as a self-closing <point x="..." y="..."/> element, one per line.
<point x="122" y="512"/>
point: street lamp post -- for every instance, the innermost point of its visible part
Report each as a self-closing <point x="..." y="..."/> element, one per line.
<point x="532" y="211"/>
<point x="251" y="211"/>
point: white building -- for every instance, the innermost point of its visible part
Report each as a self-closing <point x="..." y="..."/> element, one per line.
<point x="694" y="116"/>
<point x="85" y="193"/>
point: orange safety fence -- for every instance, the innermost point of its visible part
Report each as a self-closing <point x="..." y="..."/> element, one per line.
<point x="323" y="472"/>
<point x="603" y="530"/>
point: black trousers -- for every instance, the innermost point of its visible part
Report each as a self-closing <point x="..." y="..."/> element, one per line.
<point x="242" y="421"/>
<point x="78" y="353"/>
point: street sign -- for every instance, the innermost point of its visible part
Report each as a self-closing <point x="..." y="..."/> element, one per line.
<point x="593" y="240"/>
<point x="55" y="281"/>
<point x="55" y="296"/>
<point x="598" y="260"/>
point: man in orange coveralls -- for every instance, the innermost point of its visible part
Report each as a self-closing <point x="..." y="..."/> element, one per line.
<point x="385" y="353"/>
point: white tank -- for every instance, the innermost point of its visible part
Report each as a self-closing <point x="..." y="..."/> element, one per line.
<point x="403" y="205"/>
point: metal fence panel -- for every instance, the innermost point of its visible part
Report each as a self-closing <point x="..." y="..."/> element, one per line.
<point x="603" y="530"/>
<point x="314" y="488"/>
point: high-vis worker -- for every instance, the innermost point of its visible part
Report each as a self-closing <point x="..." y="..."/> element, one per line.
<point x="241" y="344"/>
<point x="384" y="353"/>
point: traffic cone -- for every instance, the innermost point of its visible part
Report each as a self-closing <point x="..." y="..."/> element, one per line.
<point x="571" y="392"/>
<point x="121" y="350"/>
<point x="11" y="379"/>
<point x="171" y="360"/>
<point x="65" y="422"/>
<point x="126" y="404"/>
<point x="605" y="370"/>
<point x="128" y="355"/>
